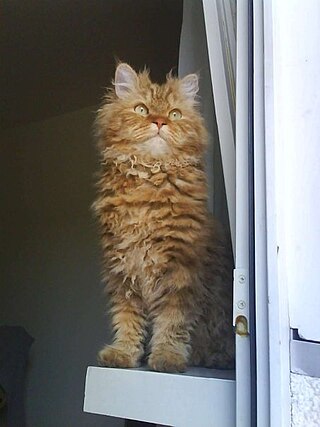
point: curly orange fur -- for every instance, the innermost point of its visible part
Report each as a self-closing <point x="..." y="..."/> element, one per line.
<point x="167" y="262"/>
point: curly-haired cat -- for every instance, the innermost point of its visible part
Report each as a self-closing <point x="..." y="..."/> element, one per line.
<point x="167" y="263"/>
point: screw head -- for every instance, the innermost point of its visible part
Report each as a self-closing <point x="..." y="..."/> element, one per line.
<point x="241" y="304"/>
<point x="242" y="278"/>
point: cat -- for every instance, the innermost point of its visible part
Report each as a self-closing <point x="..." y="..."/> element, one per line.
<point x="167" y="264"/>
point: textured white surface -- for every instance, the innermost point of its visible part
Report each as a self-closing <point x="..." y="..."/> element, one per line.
<point x="305" y="403"/>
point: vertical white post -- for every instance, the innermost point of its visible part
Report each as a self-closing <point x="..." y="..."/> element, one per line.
<point x="243" y="381"/>
<point x="261" y="291"/>
<point x="235" y="166"/>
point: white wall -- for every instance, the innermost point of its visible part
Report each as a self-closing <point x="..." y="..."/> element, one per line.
<point x="49" y="262"/>
<point x="297" y="127"/>
<point x="293" y="97"/>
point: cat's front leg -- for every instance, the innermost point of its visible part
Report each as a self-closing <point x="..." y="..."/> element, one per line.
<point x="128" y="322"/>
<point x="170" y="343"/>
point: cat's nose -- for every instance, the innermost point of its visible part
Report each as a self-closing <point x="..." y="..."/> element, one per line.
<point x="159" y="122"/>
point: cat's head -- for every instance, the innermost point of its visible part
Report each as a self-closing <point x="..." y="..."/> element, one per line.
<point x="149" y="120"/>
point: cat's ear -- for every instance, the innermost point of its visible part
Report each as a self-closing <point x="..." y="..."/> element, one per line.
<point x="190" y="85"/>
<point x="125" y="80"/>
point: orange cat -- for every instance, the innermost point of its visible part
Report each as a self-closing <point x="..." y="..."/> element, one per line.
<point x="167" y="264"/>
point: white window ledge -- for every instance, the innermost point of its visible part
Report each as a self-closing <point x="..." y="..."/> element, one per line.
<point x="200" y="397"/>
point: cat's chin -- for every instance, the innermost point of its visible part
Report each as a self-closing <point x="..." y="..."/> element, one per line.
<point x="154" y="147"/>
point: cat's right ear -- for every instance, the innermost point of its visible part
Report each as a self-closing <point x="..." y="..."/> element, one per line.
<point x="125" y="80"/>
<point x="190" y="85"/>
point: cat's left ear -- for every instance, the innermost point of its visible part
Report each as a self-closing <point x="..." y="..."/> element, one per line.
<point x="125" y="80"/>
<point x="190" y="85"/>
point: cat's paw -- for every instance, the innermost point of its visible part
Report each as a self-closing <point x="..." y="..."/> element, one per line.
<point x="165" y="360"/>
<point x="115" y="357"/>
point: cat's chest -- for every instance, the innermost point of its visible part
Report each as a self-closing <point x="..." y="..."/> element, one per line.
<point x="144" y="204"/>
<point x="140" y="200"/>
<point x="153" y="189"/>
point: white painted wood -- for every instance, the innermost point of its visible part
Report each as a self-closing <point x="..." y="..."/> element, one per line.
<point x="223" y="93"/>
<point x="279" y="332"/>
<point x="297" y="98"/>
<point x="243" y="382"/>
<point x="261" y="290"/>
<point x="199" y="398"/>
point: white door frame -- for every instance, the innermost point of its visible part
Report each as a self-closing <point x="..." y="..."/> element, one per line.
<point x="272" y="321"/>
<point x="234" y="153"/>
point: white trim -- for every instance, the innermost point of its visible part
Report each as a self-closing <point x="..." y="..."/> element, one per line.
<point x="243" y="380"/>
<point x="261" y="290"/>
<point x="277" y="293"/>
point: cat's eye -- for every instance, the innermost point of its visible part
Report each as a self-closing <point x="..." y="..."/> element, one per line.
<point x="175" y="114"/>
<point x="141" y="109"/>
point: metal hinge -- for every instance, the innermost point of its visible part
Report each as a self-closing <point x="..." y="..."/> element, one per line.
<point x="241" y="301"/>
